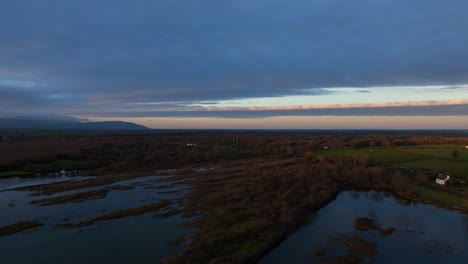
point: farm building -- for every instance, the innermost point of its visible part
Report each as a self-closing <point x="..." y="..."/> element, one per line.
<point x="442" y="179"/>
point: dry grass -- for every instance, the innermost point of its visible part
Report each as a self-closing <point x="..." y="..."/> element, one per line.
<point x="153" y="207"/>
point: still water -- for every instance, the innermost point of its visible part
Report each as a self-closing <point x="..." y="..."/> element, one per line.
<point x="424" y="233"/>
<point x="135" y="239"/>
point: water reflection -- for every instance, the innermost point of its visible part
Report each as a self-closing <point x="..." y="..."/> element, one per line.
<point x="16" y="182"/>
<point x="423" y="233"/>
<point x="135" y="239"/>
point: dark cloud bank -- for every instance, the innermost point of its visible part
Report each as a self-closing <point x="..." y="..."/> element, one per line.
<point x="57" y="54"/>
<point x="442" y="110"/>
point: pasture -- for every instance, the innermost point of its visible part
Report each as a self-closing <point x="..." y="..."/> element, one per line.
<point x="438" y="158"/>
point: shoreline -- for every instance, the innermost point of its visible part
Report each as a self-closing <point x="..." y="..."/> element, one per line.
<point x="245" y="199"/>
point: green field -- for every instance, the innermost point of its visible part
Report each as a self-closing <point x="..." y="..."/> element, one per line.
<point x="13" y="173"/>
<point x="438" y="151"/>
<point x="68" y="164"/>
<point x="459" y="169"/>
<point x="376" y="155"/>
<point x="444" y="197"/>
<point x="437" y="158"/>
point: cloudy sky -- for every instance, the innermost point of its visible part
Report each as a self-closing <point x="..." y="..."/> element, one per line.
<point x="238" y="63"/>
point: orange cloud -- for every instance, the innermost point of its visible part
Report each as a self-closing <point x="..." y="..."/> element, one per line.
<point x="342" y="106"/>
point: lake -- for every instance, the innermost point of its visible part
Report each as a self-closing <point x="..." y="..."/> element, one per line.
<point x="135" y="239"/>
<point x="423" y="233"/>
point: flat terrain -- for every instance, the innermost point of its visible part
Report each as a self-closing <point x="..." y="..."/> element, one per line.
<point x="432" y="159"/>
<point x="248" y="189"/>
<point x="437" y="158"/>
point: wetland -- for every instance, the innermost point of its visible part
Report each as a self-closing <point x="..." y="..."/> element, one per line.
<point x="234" y="197"/>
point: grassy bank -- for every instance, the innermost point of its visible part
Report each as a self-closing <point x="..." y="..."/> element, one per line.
<point x="442" y="197"/>
<point x="14" y="173"/>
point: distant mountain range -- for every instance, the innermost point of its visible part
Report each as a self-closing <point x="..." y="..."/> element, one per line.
<point x="20" y="123"/>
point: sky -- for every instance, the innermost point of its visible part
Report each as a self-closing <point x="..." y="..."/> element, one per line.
<point x="319" y="64"/>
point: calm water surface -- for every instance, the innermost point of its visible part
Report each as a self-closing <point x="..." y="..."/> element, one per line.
<point x="15" y="182"/>
<point x="424" y="233"/>
<point x="136" y="239"/>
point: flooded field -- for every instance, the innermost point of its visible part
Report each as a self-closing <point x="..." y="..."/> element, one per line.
<point x="140" y="238"/>
<point x="419" y="233"/>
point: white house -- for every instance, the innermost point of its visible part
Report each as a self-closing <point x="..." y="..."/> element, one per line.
<point x="442" y="179"/>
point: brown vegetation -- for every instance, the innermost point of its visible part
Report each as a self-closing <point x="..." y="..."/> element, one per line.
<point x="364" y="224"/>
<point x="251" y="206"/>
<point x="320" y="252"/>
<point x="361" y="247"/>
<point x="18" y="227"/>
<point x="112" y="154"/>
<point x="387" y="231"/>
<point x="153" y="207"/>
<point x="80" y="196"/>
<point x="261" y="189"/>
<point x="168" y="213"/>
<point x="344" y="259"/>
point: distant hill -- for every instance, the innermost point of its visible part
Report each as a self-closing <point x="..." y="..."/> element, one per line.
<point x="18" y="123"/>
<point x="113" y="125"/>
